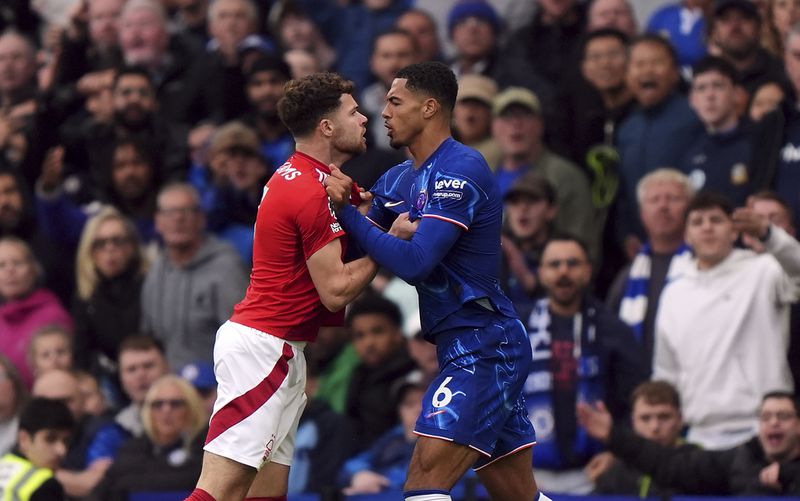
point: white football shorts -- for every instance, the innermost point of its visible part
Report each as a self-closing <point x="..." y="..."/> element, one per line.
<point x="260" y="397"/>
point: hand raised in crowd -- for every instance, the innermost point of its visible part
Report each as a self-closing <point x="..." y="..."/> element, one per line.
<point x="199" y="140"/>
<point x="596" y="420"/>
<point x="769" y="476"/>
<point x="748" y="223"/>
<point x="339" y="186"/>
<point x="52" y="170"/>
<point x="517" y="265"/>
<point x="96" y="81"/>
<point x="366" y="482"/>
<point x="403" y="227"/>
<point x="599" y="464"/>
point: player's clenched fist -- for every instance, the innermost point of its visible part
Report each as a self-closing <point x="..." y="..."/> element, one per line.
<point x="338" y="185"/>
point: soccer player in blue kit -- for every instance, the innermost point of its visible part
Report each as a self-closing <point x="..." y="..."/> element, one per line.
<point x="473" y="414"/>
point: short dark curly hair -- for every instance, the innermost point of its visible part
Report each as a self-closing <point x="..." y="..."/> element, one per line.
<point x="434" y="79"/>
<point x="308" y="100"/>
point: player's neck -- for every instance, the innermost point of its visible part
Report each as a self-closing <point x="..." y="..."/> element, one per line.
<point x="323" y="152"/>
<point x="426" y="143"/>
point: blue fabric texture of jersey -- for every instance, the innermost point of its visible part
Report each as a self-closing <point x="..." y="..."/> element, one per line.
<point x="453" y="186"/>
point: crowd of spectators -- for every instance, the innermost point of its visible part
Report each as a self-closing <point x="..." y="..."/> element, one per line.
<point x="650" y="174"/>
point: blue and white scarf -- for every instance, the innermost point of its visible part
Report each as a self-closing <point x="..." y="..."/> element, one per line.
<point x="633" y="307"/>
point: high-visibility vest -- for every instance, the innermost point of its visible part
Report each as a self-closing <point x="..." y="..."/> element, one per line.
<point x="19" y="478"/>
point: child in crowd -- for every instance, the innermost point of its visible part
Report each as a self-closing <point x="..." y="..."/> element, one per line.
<point x="50" y="348"/>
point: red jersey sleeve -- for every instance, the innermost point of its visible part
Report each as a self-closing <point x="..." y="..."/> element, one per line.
<point x="317" y="225"/>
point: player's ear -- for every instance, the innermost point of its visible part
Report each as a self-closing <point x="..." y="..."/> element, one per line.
<point x="326" y="127"/>
<point x="430" y="107"/>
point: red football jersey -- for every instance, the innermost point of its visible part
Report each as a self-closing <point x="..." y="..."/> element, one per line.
<point x="295" y="220"/>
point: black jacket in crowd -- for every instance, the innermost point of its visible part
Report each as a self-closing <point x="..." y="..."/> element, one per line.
<point x="696" y="471"/>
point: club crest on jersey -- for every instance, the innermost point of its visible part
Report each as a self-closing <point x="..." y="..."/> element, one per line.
<point x="422" y="199"/>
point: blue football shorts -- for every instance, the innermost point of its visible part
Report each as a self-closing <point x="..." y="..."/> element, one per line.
<point x="477" y="398"/>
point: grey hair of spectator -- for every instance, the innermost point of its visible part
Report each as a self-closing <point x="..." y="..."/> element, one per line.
<point x="664" y="175"/>
<point x="198" y="418"/>
<point x="250" y="6"/>
<point x="152" y="5"/>
<point x="11" y="373"/>
<point x="86" y="275"/>
<point x="180" y="186"/>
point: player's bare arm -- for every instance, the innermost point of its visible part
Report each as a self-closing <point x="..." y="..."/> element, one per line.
<point x="336" y="282"/>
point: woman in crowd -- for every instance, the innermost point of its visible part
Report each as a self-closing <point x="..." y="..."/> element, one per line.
<point x="779" y="17"/>
<point x="26" y="306"/>
<point x="110" y="269"/>
<point x="168" y="457"/>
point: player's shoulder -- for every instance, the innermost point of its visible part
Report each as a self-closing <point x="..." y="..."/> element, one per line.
<point x="459" y="156"/>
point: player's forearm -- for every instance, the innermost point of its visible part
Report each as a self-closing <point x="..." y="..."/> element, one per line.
<point x="411" y="260"/>
<point x="354" y="277"/>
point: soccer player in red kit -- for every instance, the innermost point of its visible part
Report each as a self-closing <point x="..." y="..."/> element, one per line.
<point x="298" y="281"/>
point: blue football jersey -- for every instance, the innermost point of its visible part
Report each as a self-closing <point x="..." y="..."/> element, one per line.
<point x="456" y="185"/>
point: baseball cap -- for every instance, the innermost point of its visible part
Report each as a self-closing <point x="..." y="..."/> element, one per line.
<point x="200" y="374"/>
<point x="473" y="8"/>
<point x="235" y="136"/>
<point x="516" y="95"/>
<point x="748" y="7"/>
<point x="477" y="87"/>
<point x="534" y="186"/>
<point x="414" y="379"/>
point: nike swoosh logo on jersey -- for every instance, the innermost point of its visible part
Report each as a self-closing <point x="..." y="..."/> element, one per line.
<point x="393" y="204"/>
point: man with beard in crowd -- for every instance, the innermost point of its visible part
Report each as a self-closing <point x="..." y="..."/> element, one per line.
<point x="18" y="218"/>
<point x="264" y="89"/>
<point x="87" y="160"/>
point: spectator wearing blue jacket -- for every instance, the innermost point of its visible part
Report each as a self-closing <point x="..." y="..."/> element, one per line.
<point x="657" y="133"/>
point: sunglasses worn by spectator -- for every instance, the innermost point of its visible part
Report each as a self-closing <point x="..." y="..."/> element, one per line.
<point x="115" y="241"/>
<point x="172" y="403"/>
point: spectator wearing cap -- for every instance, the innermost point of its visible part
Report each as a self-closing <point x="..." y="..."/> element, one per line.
<point x="238" y="174"/>
<point x="472" y="115"/>
<point x="264" y="88"/>
<point x="474" y="28"/>
<point x="720" y="159"/>
<point x="518" y="127"/>
<point x="683" y="23"/>
<point x="530" y="210"/>
<point x="735" y="31"/>
<point x="201" y="375"/>
<point x="581" y="353"/>
<point x="662" y="112"/>
<point x="392" y="51"/>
